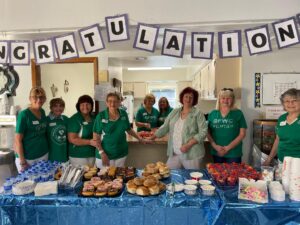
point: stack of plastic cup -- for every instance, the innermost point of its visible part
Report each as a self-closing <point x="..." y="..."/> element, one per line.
<point x="286" y="168"/>
<point x="294" y="184"/>
<point x="276" y="191"/>
<point x="7" y="186"/>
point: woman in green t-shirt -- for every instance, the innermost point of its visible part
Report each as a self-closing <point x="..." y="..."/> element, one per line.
<point x="31" y="141"/>
<point x="164" y="110"/>
<point x="287" y="142"/>
<point x="226" y="129"/>
<point x="57" y="131"/>
<point x="80" y="133"/>
<point x="147" y="116"/>
<point x="110" y="128"/>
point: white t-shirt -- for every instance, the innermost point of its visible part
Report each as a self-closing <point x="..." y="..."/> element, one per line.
<point x="177" y="136"/>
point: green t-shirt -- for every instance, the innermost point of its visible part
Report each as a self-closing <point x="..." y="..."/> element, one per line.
<point x="289" y="138"/>
<point x="144" y="117"/>
<point x="225" y="129"/>
<point x="57" y="138"/>
<point x="163" y="115"/>
<point x="34" y="141"/>
<point x="114" y="137"/>
<point x="84" y="129"/>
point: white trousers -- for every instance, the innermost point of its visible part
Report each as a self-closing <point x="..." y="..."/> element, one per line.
<point x="29" y="162"/>
<point x="117" y="162"/>
<point x="178" y="162"/>
<point x="82" y="161"/>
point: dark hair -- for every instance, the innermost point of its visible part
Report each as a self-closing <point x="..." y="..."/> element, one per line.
<point x="163" y="98"/>
<point x="293" y="92"/>
<point x="57" y="101"/>
<point x="189" y="90"/>
<point x="114" y="94"/>
<point x="84" y="99"/>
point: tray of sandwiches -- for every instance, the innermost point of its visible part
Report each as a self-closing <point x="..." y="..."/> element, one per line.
<point x="145" y="186"/>
<point x="159" y="170"/>
<point x="110" y="173"/>
<point x="98" y="187"/>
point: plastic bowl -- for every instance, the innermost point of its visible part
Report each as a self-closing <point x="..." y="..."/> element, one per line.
<point x="208" y="190"/>
<point x="196" y="175"/>
<point x="190" y="189"/>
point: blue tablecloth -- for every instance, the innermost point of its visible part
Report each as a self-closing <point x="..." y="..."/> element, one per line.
<point x="241" y="212"/>
<point x="67" y="208"/>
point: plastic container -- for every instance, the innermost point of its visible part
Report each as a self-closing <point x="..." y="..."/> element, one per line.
<point x="204" y="182"/>
<point x="191" y="182"/>
<point x="267" y="173"/>
<point x="7" y="186"/>
<point x="196" y="175"/>
<point x="190" y="189"/>
<point x="208" y="190"/>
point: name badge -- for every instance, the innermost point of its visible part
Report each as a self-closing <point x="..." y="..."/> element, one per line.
<point x="52" y="124"/>
<point x="104" y="121"/>
<point x="123" y="118"/>
<point x="35" y="122"/>
<point x="85" y="123"/>
<point x="282" y="123"/>
<point x="144" y="114"/>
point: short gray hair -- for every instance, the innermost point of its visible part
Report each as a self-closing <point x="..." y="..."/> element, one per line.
<point x="293" y="92"/>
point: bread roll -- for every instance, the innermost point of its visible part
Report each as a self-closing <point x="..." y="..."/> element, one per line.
<point x="158" y="164"/>
<point x="161" y="186"/>
<point x="138" y="181"/>
<point x="164" y="170"/>
<point x="142" y="191"/>
<point x="150" y="182"/>
<point x="131" y="188"/>
<point x="157" y="176"/>
<point x="154" y="190"/>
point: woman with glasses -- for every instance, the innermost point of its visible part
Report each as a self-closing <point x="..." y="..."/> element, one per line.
<point x="31" y="141"/>
<point x="164" y="110"/>
<point x="147" y="115"/>
<point x="187" y="130"/>
<point x="80" y="133"/>
<point x="287" y="142"/>
<point x="110" y="128"/>
<point x="226" y="129"/>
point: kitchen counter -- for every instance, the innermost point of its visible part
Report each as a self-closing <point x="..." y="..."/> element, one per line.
<point x="140" y="154"/>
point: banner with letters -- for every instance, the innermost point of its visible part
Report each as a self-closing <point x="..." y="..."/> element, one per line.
<point x="48" y="50"/>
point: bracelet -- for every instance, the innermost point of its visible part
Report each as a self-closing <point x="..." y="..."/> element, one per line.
<point x="101" y="151"/>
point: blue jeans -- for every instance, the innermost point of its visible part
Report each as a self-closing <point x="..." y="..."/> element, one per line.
<point x="218" y="159"/>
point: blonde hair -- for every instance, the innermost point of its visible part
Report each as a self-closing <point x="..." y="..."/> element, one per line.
<point x="226" y="92"/>
<point x="149" y="97"/>
<point x="35" y="91"/>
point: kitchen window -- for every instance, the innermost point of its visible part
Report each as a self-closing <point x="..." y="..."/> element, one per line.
<point x="168" y="91"/>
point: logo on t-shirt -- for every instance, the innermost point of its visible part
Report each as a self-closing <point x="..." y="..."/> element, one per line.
<point x="223" y="123"/>
<point x="59" y="135"/>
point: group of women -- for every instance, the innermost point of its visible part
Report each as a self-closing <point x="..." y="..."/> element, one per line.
<point x="88" y="140"/>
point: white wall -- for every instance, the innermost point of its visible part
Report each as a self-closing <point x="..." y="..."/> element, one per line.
<point x="156" y="75"/>
<point x="286" y="60"/>
<point x="81" y="81"/>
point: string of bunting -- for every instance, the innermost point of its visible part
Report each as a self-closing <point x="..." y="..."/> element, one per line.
<point x="17" y="52"/>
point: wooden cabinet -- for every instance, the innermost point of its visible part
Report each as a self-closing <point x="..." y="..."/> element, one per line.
<point x="139" y="88"/>
<point x="219" y="73"/>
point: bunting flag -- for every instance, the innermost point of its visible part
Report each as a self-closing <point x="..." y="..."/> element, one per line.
<point x="258" y="40"/>
<point x="91" y="39"/>
<point x="202" y="45"/>
<point x="174" y="41"/>
<point x="286" y="32"/>
<point x="146" y="37"/>
<point x="17" y="52"/>
<point x="43" y="51"/>
<point x="230" y="44"/>
<point x="257" y="95"/>
<point x="117" y="28"/>
<point x="66" y="46"/>
<point x="4" y="52"/>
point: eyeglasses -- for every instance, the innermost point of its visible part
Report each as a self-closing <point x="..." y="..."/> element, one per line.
<point x="38" y="97"/>
<point x="227" y="89"/>
<point x="292" y="101"/>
